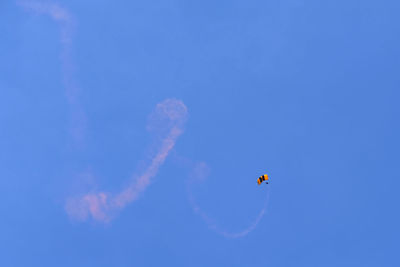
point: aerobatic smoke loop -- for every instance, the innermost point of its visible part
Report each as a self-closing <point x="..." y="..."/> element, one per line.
<point x="166" y="122"/>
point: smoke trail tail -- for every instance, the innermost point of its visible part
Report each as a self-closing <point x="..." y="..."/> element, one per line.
<point x="199" y="174"/>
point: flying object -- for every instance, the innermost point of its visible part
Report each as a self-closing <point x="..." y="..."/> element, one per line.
<point x="263" y="178"/>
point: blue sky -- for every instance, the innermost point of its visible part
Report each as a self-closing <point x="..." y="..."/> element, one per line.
<point x="306" y="91"/>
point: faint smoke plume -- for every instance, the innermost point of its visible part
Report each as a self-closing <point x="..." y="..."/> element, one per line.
<point x="200" y="173"/>
<point x="168" y="120"/>
<point x="66" y="24"/>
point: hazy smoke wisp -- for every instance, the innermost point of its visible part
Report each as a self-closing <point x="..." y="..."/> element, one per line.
<point x="169" y="117"/>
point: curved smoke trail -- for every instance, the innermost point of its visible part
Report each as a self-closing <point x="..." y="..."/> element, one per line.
<point x="199" y="174"/>
<point x="167" y="121"/>
<point x="169" y="117"/>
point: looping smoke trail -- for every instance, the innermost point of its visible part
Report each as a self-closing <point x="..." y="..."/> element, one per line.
<point x="66" y="23"/>
<point x="169" y="116"/>
<point x="167" y="121"/>
<point x="199" y="174"/>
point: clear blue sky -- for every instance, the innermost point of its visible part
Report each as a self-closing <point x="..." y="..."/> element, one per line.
<point x="306" y="91"/>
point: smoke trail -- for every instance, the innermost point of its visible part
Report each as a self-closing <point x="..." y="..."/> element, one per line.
<point x="169" y="118"/>
<point x="66" y="24"/>
<point x="199" y="174"/>
<point x="167" y="121"/>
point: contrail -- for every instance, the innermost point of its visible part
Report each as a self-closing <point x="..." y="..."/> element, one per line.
<point x="66" y="24"/>
<point x="199" y="174"/>
<point x="169" y="117"/>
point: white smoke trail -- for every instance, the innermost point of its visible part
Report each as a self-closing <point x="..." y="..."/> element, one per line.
<point x="169" y="117"/>
<point x="66" y="23"/>
<point x="199" y="174"/>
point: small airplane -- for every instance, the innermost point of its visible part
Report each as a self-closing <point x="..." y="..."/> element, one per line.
<point x="263" y="178"/>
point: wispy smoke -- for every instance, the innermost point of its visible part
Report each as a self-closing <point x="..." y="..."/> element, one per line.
<point x="169" y="118"/>
<point x="66" y="24"/>
<point x="55" y="11"/>
<point x="167" y="122"/>
<point x="199" y="174"/>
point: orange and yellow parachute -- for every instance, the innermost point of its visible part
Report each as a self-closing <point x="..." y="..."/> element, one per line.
<point x="263" y="178"/>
